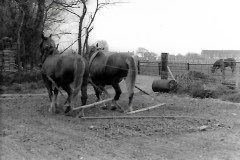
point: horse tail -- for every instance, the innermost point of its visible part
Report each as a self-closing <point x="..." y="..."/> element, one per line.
<point x="131" y="76"/>
<point x="79" y="70"/>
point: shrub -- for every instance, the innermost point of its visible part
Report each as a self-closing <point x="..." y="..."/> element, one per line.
<point x="198" y="75"/>
<point x="197" y="90"/>
<point x="15" y="87"/>
<point x="222" y="90"/>
<point x="231" y="97"/>
<point x="20" y="77"/>
<point x="40" y="84"/>
<point x="33" y="86"/>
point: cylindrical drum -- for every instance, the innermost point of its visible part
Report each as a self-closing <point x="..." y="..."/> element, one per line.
<point x="164" y="85"/>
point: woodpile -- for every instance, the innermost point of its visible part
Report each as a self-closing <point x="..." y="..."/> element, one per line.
<point x="7" y="55"/>
<point x="7" y="60"/>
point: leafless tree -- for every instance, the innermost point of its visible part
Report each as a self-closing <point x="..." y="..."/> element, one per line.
<point x="86" y="18"/>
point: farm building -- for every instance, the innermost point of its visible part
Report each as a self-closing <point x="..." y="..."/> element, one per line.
<point x="216" y="54"/>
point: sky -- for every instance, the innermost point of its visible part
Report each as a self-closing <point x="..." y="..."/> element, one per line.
<point x="172" y="26"/>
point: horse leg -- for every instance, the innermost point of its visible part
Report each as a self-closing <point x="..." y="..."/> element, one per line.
<point x="84" y="95"/>
<point x="54" y="102"/>
<point x="67" y="103"/>
<point x="98" y="94"/>
<point x="50" y="94"/>
<point x="130" y="89"/>
<point x="118" y="92"/>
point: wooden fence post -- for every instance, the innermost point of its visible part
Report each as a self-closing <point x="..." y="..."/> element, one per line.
<point x="223" y="74"/>
<point x="188" y="66"/>
<point x="138" y="66"/>
<point x="164" y="71"/>
<point x="237" y="78"/>
<point x="159" y="68"/>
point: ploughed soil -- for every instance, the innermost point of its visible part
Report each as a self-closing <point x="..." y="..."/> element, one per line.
<point x="183" y="128"/>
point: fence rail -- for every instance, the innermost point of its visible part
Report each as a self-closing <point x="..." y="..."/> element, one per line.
<point x="180" y="68"/>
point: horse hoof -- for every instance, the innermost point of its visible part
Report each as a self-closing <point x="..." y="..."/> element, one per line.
<point x="113" y="108"/>
<point x="68" y="109"/>
<point x="79" y="116"/>
<point x="52" y="111"/>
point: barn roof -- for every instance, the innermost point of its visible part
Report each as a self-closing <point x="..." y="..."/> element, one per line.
<point x="220" y="52"/>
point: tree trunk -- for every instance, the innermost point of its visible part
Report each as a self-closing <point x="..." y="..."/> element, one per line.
<point x="79" y="37"/>
<point x="80" y="28"/>
<point x="32" y="31"/>
<point x="22" y="14"/>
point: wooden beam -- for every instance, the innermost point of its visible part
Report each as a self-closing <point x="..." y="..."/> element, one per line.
<point x="93" y="104"/>
<point x="146" y="109"/>
<point x="164" y="71"/>
<point x="169" y="70"/>
<point x="237" y="78"/>
<point x="140" y="117"/>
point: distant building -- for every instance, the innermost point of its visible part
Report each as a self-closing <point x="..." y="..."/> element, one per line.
<point x="218" y="54"/>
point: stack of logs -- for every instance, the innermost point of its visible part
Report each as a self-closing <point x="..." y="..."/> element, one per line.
<point x="7" y="55"/>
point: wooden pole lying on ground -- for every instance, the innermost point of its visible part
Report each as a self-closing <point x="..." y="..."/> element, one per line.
<point x="237" y="78"/>
<point x="148" y="108"/>
<point x="145" y="92"/>
<point x="132" y="117"/>
<point x="93" y="104"/>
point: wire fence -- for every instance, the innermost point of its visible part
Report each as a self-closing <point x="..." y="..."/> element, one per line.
<point x="196" y="71"/>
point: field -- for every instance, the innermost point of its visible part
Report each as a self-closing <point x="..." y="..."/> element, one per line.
<point x="191" y="129"/>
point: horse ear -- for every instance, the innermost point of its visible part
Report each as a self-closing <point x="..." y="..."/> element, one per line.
<point x="97" y="45"/>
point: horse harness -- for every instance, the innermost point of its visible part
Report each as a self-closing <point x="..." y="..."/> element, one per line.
<point x="99" y="88"/>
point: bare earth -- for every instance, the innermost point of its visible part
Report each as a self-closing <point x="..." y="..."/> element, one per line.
<point x="202" y="129"/>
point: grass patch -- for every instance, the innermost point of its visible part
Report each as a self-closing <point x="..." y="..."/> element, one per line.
<point x="191" y="85"/>
<point x="32" y="87"/>
<point x="21" y="82"/>
<point x="20" y="77"/>
<point x="232" y="97"/>
<point x="16" y="87"/>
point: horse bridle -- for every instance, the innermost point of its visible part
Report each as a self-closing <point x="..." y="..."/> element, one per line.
<point x="100" y="88"/>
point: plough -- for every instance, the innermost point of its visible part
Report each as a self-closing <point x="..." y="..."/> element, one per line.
<point x="93" y="104"/>
<point x="132" y="112"/>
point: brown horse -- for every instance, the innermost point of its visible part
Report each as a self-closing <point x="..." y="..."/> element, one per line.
<point x="222" y="63"/>
<point x="62" y="70"/>
<point x="111" y="70"/>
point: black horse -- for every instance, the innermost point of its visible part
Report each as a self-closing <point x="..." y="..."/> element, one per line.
<point x="111" y="70"/>
<point x="222" y="63"/>
<point x="62" y="70"/>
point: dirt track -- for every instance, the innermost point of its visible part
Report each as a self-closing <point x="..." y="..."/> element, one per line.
<point x="212" y="130"/>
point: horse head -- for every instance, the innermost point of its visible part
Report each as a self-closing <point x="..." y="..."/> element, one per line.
<point x="47" y="47"/>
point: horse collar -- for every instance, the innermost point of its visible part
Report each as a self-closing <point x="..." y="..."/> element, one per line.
<point x="92" y="58"/>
